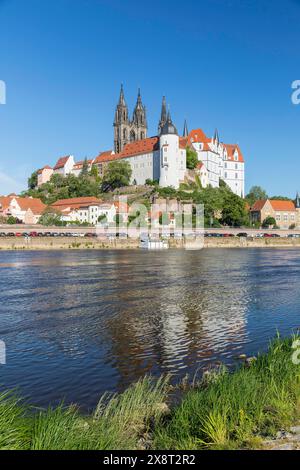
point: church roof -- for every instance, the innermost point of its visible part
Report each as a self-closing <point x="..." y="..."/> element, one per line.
<point x="139" y="147"/>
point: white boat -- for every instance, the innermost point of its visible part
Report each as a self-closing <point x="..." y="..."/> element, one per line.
<point x="153" y="244"/>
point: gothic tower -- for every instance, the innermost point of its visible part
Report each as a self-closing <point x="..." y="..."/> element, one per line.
<point x="125" y="130"/>
<point x="121" y="124"/>
<point x="163" y="115"/>
<point x="139" y="127"/>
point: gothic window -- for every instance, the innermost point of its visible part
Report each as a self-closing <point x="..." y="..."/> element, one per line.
<point x="132" y="136"/>
<point x="142" y="135"/>
<point x="125" y="134"/>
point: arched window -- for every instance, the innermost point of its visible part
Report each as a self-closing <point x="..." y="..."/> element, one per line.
<point x="142" y="135"/>
<point x="125" y="134"/>
<point x="132" y="136"/>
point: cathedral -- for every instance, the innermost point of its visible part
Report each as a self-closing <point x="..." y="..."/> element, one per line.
<point x="129" y="130"/>
<point x="165" y="157"/>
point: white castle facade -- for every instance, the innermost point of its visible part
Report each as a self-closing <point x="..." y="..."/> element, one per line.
<point x="162" y="157"/>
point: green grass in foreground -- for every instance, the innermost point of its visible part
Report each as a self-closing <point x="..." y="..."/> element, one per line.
<point x="237" y="410"/>
<point x="226" y="411"/>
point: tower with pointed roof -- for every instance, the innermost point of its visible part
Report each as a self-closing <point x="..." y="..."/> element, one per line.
<point x="163" y="115"/>
<point x="185" y="129"/>
<point x="172" y="157"/>
<point x="126" y="130"/>
<point x="121" y="124"/>
<point x="139" y="121"/>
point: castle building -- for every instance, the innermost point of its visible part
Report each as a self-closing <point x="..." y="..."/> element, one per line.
<point x="163" y="157"/>
<point x="126" y="130"/>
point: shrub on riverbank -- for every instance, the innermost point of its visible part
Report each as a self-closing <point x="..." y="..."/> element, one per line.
<point x="223" y="411"/>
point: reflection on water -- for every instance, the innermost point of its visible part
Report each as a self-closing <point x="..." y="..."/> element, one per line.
<point x="79" y="323"/>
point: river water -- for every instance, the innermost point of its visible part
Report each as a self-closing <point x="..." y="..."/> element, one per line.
<point x="79" y="323"/>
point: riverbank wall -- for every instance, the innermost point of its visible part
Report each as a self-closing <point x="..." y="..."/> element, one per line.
<point x="67" y="243"/>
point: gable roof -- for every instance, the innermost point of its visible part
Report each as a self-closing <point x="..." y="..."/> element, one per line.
<point x="25" y="203"/>
<point x="231" y="148"/>
<point x="277" y="205"/>
<point x="61" y="162"/>
<point x="34" y="204"/>
<point x="258" y="205"/>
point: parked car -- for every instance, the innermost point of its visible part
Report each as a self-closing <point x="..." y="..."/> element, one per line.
<point x="242" y="234"/>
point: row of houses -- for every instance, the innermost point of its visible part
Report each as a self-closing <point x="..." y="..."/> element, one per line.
<point x="91" y="210"/>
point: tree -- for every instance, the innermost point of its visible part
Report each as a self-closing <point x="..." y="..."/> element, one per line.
<point x="33" y="180"/>
<point x="11" y="220"/>
<point x="280" y="198"/>
<point x="256" y="193"/>
<point x="268" y="222"/>
<point x="191" y="158"/>
<point x="51" y="216"/>
<point x="85" y="168"/>
<point x="116" y="175"/>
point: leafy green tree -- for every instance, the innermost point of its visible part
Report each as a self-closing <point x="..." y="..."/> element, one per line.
<point x="191" y="158"/>
<point x="85" y="168"/>
<point x="280" y="198"/>
<point x="33" y="180"/>
<point x="11" y="220"/>
<point x="116" y="175"/>
<point x="256" y="193"/>
<point x="51" y="216"/>
<point x="269" y="221"/>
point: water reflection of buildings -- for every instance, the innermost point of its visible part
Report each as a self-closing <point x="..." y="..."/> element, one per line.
<point x="129" y="314"/>
<point x="192" y="314"/>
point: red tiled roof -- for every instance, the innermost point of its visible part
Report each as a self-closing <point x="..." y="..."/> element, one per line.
<point x="76" y="202"/>
<point x="183" y="142"/>
<point x="47" y="167"/>
<point x="25" y="203"/>
<point x="230" y="152"/>
<point x="5" y="202"/>
<point x="36" y="205"/>
<point x="139" y="147"/>
<point x="197" y="135"/>
<point x="282" y="205"/>
<point x="258" y="205"/>
<point x="105" y="157"/>
<point x="81" y="163"/>
<point x="61" y="162"/>
<point x="277" y="205"/>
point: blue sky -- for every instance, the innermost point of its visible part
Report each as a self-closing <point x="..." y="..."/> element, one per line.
<point x="221" y="63"/>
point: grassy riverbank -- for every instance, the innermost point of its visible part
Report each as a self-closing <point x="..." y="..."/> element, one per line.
<point x="224" y="411"/>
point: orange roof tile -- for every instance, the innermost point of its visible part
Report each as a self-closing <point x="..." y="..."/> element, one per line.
<point x="76" y="202"/>
<point x="61" y="162"/>
<point x="230" y="152"/>
<point x="279" y="205"/>
<point x="258" y="205"/>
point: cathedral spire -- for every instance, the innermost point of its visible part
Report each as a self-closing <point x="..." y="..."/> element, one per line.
<point x="216" y="136"/>
<point x="297" y="202"/>
<point x="122" y="101"/>
<point x="185" y="129"/>
<point x="121" y="124"/>
<point x="163" y="115"/>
